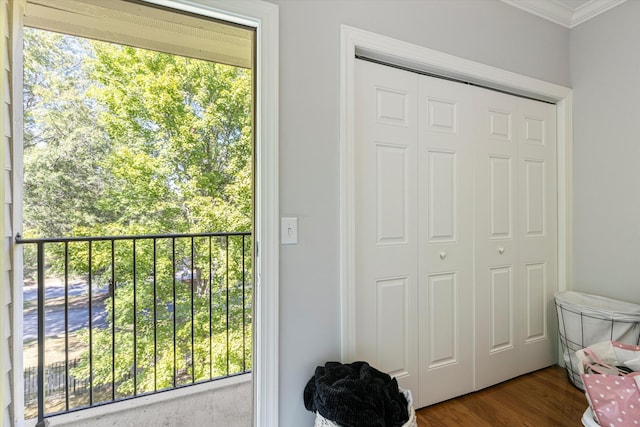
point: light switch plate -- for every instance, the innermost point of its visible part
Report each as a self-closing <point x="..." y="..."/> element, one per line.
<point x="289" y="231"/>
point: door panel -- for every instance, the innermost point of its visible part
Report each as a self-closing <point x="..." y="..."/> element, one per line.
<point x="386" y="211"/>
<point x="515" y="206"/>
<point x="536" y="304"/>
<point x="500" y="196"/>
<point x="501" y="309"/>
<point x="537" y="232"/>
<point x="392" y="342"/>
<point x="391" y="194"/>
<point x="445" y="229"/>
<point x="443" y="198"/>
<point x="534" y="197"/>
<point x="497" y="292"/>
<point x="442" y="311"/>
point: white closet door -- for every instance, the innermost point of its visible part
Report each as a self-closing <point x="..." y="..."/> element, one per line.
<point x="386" y="178"/>
<point x="515" y="247"/>
<point x="445" y="223"/>
<point x="496" y="257"/>
<point x="537" y="233"/>
<point x="455" y="249"/>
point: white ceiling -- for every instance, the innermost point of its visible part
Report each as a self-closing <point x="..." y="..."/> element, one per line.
<point x="567" y="13"/>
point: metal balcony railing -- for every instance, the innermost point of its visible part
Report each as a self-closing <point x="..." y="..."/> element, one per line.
<point x="148" y="313"/>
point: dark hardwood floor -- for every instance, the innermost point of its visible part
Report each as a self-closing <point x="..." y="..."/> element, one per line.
<point x="543" y="398"/>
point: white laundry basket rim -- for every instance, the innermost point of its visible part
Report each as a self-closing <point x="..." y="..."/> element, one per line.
<point x="598" y="305"/>
<point x="411" y="422"/>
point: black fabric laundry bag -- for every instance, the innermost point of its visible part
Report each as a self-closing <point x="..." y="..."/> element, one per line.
<point x="356" y="395"/>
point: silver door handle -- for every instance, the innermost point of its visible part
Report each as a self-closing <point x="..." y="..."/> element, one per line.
<point x="443" y="255"/>
<point x="500" y="251"/>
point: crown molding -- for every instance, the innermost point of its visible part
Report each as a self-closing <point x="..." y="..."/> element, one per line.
<point x="593" y="8"/>
<point x="560" y="13"/>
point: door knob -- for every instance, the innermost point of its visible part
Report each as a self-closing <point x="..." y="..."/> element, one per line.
<point x="443" y="255"/>
<point x="500" y="251"/>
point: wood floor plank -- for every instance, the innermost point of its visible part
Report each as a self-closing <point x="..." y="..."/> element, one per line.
<point x="543" y="398"/>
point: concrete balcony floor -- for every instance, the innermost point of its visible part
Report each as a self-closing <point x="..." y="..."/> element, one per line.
<point x="227" y="402"/>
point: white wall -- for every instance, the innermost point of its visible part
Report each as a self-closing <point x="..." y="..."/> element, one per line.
<point x="486" y="31"/>
<point x="605" y="75"/>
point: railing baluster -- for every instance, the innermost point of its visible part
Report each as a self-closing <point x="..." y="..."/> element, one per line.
<point x="90" y="286"/>
<point x="193" y="354"/>
<point x="135" y="325"/>
<point x="155" y="319"/>
<point x="227" y="303"/>
<point x="175" y="312"/>
<point x="244" y="312"/>
<point x="113" y="320"/>
<point x="66" y="324"/>
<point x="210" y="312"/>
<point x="41" y="296"/>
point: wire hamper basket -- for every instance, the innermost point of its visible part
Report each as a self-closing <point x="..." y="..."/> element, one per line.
<point x="585" y="319"/>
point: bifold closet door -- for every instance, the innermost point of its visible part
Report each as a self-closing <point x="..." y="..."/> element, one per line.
<point x="455" y="232"/>
<point x="386" y="209"/>
<point x="515" y="237"/>
<point x="414" y="230"/>
<point x="445" y="225"/>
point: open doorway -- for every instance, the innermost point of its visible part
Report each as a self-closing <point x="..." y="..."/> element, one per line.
<point x="139" y="210"/>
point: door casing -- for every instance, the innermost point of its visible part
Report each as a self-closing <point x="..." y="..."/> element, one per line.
<point x="355" y="41"/>
<point x="263" y="16"/>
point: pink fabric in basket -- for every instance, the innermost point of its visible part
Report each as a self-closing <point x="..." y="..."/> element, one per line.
<point x="614" y="399"/>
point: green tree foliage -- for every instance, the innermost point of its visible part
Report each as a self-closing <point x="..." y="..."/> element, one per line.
<point x="126" y="141"/>
<point x="64" y="145"/>
<point x="183" y="126"/>
<point x="120" y="140"/>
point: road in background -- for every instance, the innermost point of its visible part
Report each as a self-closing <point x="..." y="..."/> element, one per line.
<point x="78" y="312"/>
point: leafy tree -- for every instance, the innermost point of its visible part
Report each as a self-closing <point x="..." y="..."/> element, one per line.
<point x="183" y="144"/>
<point x="63" y="144"/>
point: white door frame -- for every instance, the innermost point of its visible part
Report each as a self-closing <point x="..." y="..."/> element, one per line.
<point x="263" y="17"/>
<point x="352" y="41"/>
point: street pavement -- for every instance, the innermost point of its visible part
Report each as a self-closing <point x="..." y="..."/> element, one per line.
<point x="78" y="314"/>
